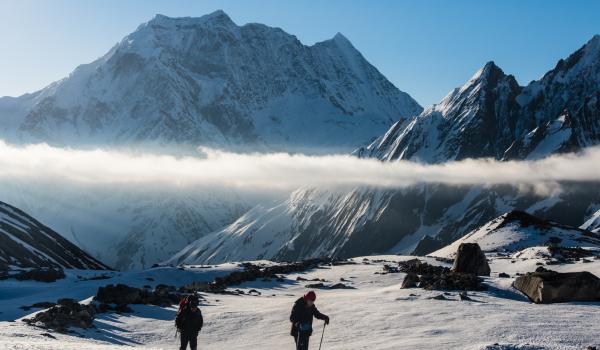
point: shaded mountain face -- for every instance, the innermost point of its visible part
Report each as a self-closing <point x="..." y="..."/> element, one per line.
<point x="490" y="116"/>
<point x="27" y="243"/>
<point x="208" y="81"/>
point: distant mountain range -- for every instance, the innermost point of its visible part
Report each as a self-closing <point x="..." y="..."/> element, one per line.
<point x="490" y="116"/>
<point x="175" y="84"/>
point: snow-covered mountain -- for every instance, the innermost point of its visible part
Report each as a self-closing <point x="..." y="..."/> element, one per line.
<point x="492" y="116"/>
<point x="489" y="116"/>
<point x="191" y="81"/>
<point x="27" y="243"/>
<point x="517" y="230"/>
<point x="294" y="229"/>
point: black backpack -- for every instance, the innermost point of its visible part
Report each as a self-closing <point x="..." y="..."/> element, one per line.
<point x="183" y="311"/>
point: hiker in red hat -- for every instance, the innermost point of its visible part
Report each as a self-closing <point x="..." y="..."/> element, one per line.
<point x="302" y="317"/>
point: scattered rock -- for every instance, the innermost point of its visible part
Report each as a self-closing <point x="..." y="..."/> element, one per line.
<point x="340" y="286"/>
<point x="390" y="269"/>
<point x="410" y="280"/>
<point x="67" y="313"/>
<point x="440" y="277"/>
<point x="439" y="297"/>
<point x="451" y="280"/>
<point x="503" y="275"/>
<point x="122" y="294"/>
<point x="40" y="305"/>
<point x="470" y="259"/>
<point x="42" y="274"/>
<point x="546" y="286"/>
<point x="315" y="286"/>
<point x="253" y="272"/>
<point x="463" y="296"/>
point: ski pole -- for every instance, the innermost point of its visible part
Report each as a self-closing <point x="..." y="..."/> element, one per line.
<point x="322" y="334"/>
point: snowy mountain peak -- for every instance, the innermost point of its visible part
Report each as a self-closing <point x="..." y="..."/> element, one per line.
<point x="341" y="38"/>
<point x="207" y="81"/>
<point x="489" y="70"/>
<point x="219" y="17"/>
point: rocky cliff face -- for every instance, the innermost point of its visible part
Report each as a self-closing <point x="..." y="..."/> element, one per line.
<point x="492" y="116"/>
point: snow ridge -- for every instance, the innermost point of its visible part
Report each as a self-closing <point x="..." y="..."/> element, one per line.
<point x="26" y="243"/>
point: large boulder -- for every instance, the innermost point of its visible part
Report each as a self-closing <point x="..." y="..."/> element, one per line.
<point x="547" y="286"/>
<point x="471" y="259"/>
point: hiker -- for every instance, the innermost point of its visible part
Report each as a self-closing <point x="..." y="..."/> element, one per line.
<point x="302" y="317"/>
<point x="189" y="321"/>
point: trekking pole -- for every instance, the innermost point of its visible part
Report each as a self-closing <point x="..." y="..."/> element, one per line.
<point x="322" y="334"/>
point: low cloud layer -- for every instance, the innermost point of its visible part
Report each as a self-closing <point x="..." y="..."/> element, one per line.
<point x="281" y="170"/>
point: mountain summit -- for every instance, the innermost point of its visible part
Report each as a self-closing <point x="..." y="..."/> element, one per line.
<point x="209" y="81"/>
<point x="492" y="116"/>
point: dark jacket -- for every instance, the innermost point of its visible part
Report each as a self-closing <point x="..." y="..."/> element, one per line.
<point x="302" y="314"/>
<point x="192" y="322"/>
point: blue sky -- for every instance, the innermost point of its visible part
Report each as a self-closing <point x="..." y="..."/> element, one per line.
<point x="424" y="47"/>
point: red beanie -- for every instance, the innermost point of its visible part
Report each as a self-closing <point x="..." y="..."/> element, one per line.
<point x="310" y="296"/>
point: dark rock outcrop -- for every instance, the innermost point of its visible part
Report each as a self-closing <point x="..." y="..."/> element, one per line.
<point x="410" y="280"/>
<point x="470" y="259"/>
<point x="67" y="313"/>
<point x="122" y="294"/>
<point x="546" y="286"/>
<point x="252" y="272"/>
<point x="441" y="278"/>
<point x="43" y="274"/>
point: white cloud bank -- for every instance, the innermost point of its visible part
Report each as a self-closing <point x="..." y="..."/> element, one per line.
<point x="281" y="170"/>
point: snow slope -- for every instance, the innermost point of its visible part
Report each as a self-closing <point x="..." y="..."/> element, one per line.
<point x="516" y="231"/>
<point x="375" y="315"/>
<point x="188" y="81"/>
<point x="27" y="243"/>
<point x="593" y="224"/>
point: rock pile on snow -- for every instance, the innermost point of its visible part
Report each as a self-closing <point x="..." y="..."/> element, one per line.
<point x="122" y="295"/>
<point x="432" y="277"/>
<point x="252" y="272"/>
<point x="67" y="313"/>
<point x="43" y="274"/>
<point x="546" y="286"/>
<point x="470" y="259"/>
